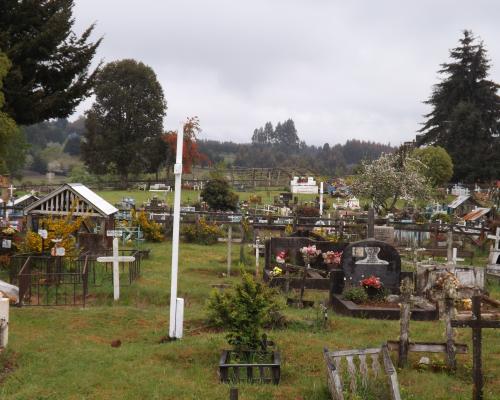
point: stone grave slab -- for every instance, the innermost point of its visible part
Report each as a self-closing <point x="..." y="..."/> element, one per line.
<point x="470" y="278"/>
<point x="372" y="257"/>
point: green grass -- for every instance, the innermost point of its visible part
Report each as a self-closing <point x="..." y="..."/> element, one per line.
<point x="65" y="353"/>
<point x="191" y="196"/>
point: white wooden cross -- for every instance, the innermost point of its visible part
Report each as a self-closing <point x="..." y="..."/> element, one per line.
<point x="496" y="238"/>
<point x="116" y="259"/>
<point x="11" y="190"/>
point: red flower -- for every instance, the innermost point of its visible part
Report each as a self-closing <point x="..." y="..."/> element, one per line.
<point x="372" y="281"/>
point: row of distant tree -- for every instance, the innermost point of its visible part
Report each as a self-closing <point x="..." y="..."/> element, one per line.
<point x="45" y="73"/>
<point x="328" y="159"/>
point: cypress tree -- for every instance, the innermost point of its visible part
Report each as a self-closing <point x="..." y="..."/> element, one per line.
<point x="465" y="116"/>
<point x="50" y="74"/>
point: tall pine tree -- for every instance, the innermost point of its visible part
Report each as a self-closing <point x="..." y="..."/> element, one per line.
<point x="465" y="118"/>
<point x="50" y="74"/>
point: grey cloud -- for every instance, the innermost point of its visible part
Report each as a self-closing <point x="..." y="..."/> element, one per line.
<point x="357" y="69"/>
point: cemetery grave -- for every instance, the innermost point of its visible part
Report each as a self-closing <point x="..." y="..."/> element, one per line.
<point x="374" y="261"/>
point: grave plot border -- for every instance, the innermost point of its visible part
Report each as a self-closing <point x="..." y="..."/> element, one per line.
<point x="50" y="288"/>
<point x="350" y="309"/>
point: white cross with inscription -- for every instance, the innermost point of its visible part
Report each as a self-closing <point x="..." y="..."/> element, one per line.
<point x="496" y="238"/>
<point x="116" y="259"/>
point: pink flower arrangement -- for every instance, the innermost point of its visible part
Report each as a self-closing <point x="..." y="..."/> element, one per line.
<point x="309" y="253"/>
<point x="371" y="282"/>
<point x="332" y="257"/>
<point x="281" y="257"/>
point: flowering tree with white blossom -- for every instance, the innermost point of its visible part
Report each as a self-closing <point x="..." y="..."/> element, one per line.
<point x="389" y="178"/>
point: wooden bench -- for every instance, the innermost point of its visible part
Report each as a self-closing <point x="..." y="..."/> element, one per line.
<point x="371" y="356"/>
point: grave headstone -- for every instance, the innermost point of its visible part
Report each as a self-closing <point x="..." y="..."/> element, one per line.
<point x="4" y="321"/>
<point x="494" y="257"/>
<point x="372" y="257"/>
<point x="429" y="277"/>
<point x="384" y="234"/>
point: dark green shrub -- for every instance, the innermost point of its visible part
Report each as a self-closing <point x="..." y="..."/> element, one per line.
<point x="244" y="312"/>
<point x="307" y="211"/>
<point x="219" y="195"/>
<point x="357" y="295"/>
<point x="445" y="218"/>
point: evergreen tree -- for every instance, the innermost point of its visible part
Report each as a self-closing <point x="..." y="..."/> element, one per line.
<point x="12" y="143"/>
<point x="125" y="120"/>
<point x="268" y="132"/>
<point x="465" y="119"/>
<point x="50" y="64"/>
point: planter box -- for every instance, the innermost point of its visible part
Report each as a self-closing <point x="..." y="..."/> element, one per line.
<point x="269" y="372"/>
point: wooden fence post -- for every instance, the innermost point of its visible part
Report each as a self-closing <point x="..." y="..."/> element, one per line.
<point x="229" y="249"/>
<point x="233" y="394"/>
<point x="371" y="223"/>
<point x="450" y="343"/>
<point x="405" y="315"/>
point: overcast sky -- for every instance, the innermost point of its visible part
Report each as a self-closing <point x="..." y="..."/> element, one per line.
<point x="339" y="69"/>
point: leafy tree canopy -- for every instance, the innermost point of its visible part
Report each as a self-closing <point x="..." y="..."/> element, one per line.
<point x="219" y="196"/>
<point x="125" y="120"/>
<point x="438" y="166"/>
<point x="190" y="152"/>
<point x="12" y="143"/>
<point x="50" y="63"/>
<point x="465" y="116"/>
<point x="390" y="178"/>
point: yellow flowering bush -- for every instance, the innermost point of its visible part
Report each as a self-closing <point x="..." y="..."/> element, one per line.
<point x="152" y="230"/>
<point x="57" y="228"/>
<point x="202" y="232"/>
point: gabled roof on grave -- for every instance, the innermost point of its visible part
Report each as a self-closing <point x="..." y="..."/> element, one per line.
<point x="72" y="198"/>
<point x="476" y="214"/>
<point x="458" y="201"/>
<point x="23" y="199"/>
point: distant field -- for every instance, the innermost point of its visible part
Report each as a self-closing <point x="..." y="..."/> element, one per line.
<point x="190" y="196"/>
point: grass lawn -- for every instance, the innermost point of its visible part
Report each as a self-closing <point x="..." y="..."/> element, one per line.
<point x="65" y="353"/>
<point x="189" y="197"/>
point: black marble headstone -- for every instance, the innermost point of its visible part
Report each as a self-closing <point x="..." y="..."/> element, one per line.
<point x="372" y="257"/>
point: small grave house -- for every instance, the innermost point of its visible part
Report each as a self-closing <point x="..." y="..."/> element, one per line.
<point x="461" y="206"/>
<point x="73" y="199"/>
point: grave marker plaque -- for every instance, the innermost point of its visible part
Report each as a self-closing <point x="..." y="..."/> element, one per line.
<point x="372" y="257"/>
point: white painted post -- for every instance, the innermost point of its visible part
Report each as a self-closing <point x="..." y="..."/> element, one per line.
<point x="4" y="322"/>
<point x="174" y="312"/>
<point x="257" y="253"/>
<point x="179" y="318"/>
<point x="229" y="249"/>
<point x="116" y="270"/>
<point x="321" y="199"/>
<point x="454" y="256"/>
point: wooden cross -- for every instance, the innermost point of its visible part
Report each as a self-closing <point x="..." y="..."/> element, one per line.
<point x="496" y="238"/>
<point x="477" y="324"/>
<point x="116" y="259"/>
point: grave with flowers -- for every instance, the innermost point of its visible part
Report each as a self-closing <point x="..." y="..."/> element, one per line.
<point x="369" y="287"/>
<point x="302" y="262"/>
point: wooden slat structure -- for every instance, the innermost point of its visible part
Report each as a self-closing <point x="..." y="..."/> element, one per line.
<point x="369" y="363"/>
<point x="72" y="199"/>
